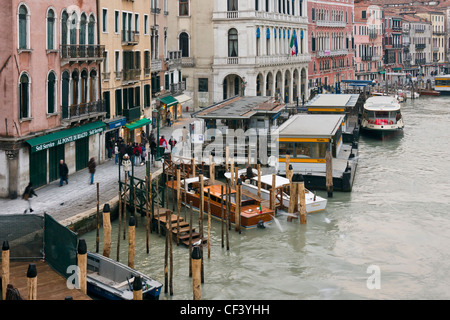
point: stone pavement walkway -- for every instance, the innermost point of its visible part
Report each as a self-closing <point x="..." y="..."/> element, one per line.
<point x="79" y="196"/>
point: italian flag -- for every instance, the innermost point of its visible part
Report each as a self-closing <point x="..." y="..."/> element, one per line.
<point x="293" y="45"/>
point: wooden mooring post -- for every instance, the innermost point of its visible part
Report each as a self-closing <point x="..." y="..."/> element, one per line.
<point x="329" y="173"/>
<point x="196" y="258"/>
<point x="302" y="199"/>
<point x="98" y="219"/>
<point x="32" y="282"/>
<point x="106" y="215"/>
<point x="5" y="268"/>
<point x="131" y="241"/>
<point x="82" y="265"/>
<point x="137" y="288"/>
<point x="209" y="223"/>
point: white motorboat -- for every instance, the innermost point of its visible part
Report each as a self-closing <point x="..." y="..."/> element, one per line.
<point x="382" y="116"/>
<point x="314" y="203"/>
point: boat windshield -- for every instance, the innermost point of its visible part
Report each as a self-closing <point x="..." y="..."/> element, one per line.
<point x="245" y="201"/>
<point x="382" y="117"/>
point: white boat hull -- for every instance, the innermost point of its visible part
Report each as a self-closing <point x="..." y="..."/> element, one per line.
<point x="312" y="205"/>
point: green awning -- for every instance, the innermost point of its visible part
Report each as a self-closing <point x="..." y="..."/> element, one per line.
<point x="168" y="101"/>
<point x="382" y="72"/>
<point x="137" y="124"/>
<point x="396" y="69"/>
<point x="64" y="136"/>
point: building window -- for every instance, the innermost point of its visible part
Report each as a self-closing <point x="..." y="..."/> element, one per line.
<point x="146" y="24"/>
<point x="116" y="21"/>
<point x="203" y="85"/>
<point x="232" y="5"/>
<point x="184" y="8"/>
<point x="232" y="43"/>
<point x="184" y="44"/>
<point x="105" y="20"/>
<point x="82" y="32"/>
<point x="64" y="20"/>
<point x="23" y="27"/>
<point x="91" y="30"/>
<point x="50" y="30"/>
<point x="24" y="96"/>
<point x="51" y="93"/>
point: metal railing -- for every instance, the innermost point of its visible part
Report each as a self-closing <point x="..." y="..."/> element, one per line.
<point x="177" y="87"/>
<point x="130" y="37"/>
<point x="131" y="74"/>
<point x="83" y="110"/>
<point x="81" y="52"/>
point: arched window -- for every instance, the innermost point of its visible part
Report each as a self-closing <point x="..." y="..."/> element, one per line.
<point x="232" y="43"/>
<point x="232" y="5"/>
<point x="82" y="31"/>
<point x="23" y="27"/>
<point x="65" y="88"/>
<point x="24" y="96"/>
<point x="50" y="30"/>
<point x="184" y="44"/>
<point x="64" y="21"/>
<point x="73" y="28"/>
<point x="51" y="93"/>
<point x="84" y="87"/>
<point x="91" y="30"/>
<point x="93" y="85"/>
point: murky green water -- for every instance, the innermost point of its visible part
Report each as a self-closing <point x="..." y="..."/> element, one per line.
<point x="395" y="221"/>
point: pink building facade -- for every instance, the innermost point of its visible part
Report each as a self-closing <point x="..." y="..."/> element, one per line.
<point x="368" y="32"/>
<point x="331" y="42"/>
<point x="50" y="90"/>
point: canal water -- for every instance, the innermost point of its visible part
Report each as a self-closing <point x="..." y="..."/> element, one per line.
<point x="387" y="239"/>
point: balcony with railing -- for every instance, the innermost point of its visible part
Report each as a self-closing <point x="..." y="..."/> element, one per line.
<point x="420" y="46"/>
<point x="187" y="62"/>
<point x="436" y="48"/>
<point x="79" y="53"/>
<point x="366" y="58"/>
<point x="131" y="75"/>
<point x="262" y="15"/>
<point x="132" y="113"/>
<point x="130" y="38"/>
<point x="332" y="24"/>
<point x="177" y="88"/>
<point x="332" y="53"/>
<point x="174" y="59"/>
<point x="83" y="111"/>
<point x="420" y="61"/>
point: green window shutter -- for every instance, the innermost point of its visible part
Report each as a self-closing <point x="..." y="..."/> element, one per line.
<point x="166" y="81"/>
<point x="137" y="96"/>
<point x="51" y="93"/>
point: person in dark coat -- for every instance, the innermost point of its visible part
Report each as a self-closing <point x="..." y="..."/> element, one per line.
<point x="153" y="148"/>
<point x="92" y="165"/>
<point x="63" y="173"/>
<point x="27" y="195"/>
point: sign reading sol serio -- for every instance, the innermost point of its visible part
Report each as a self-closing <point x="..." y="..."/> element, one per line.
<point x="59" y="140"/>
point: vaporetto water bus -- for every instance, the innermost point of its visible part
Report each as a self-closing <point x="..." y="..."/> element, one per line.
<point x="442" y="84"/>
<point x="382" y="116"/>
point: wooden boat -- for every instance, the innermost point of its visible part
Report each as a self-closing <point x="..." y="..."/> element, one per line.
<point x="426" y="92"/>
<point x="382" y="116"/>
<point x="253" y="213"/>
<point x="112" y="280"/>
<point x="313" y="202"/>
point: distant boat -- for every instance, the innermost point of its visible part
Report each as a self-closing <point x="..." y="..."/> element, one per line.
<point x="314" y="203"/>
<point x="382" y="116"/>
<point x="112" y="280"/>
<point x="426" y="92"/>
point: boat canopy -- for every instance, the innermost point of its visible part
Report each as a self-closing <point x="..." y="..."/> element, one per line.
<point x="382" y="103"/>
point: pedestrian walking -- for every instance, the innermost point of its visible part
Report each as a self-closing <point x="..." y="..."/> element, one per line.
<point x="116" y="153"/>
<point x="169" y="119"/>
<point x="163" y="144"/>
<point x="172" y="143"/>
<point x="137" y="150"/>
<point x="27" y="195"/>
<point x="144" y="154"/>
<point x="153" y="148"/>
<point x="63" y="173"/>
<point x="92" y="165"/>
<point x="126" y="164"/>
